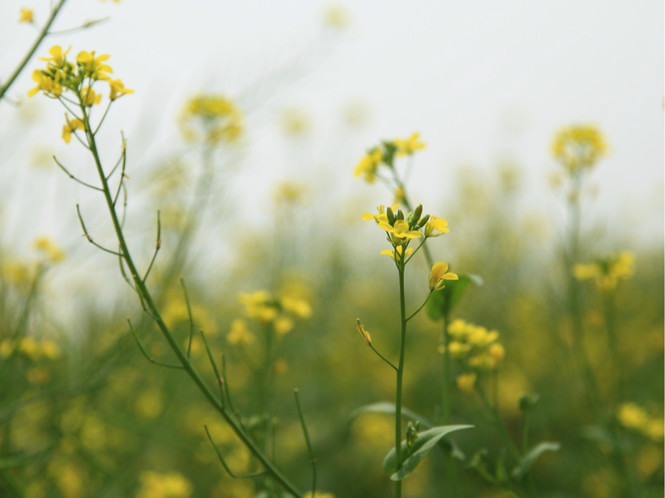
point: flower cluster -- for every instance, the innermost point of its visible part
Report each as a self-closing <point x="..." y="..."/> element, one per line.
<point x="477" y="350"/>
<point x="277" y="311"/>
<point x="34" y="349"/>
<point x="636" y="418"/>
<point x="607" y="271"/>
<point x="212" y="119"/>
<point x="578" y="147"/>
<point x="61" y="77"/>
<point x="385" y="154"/>
<point x="401" y="229"/>
<point x="48" y="249"/>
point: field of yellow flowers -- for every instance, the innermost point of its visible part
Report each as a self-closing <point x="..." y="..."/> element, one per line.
<point x="186" y="345"/>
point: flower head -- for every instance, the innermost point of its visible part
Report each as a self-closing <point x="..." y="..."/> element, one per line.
<point x="438" y="276"/>
<point x="607" y="271"/>
<point x="407" y="146"/>
<point x="92" y="66"/>
<point x="70" y="127"/>
<point x="435" y="225"/>
<point x="369" y="164"/>
<point x="26" y="15"/>
<point x="578" y="147"/>
<point x="118" y="89"/>
<point x="212" y="119"/>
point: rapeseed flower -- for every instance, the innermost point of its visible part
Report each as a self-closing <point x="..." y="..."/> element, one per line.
<point x="369" y="164"/>
<point x="607" y="271"/>
<point x="438" y="276"/>
<point x="407" y="146"/>
<point x="26" y="15"/>
<point x="579" y="147"/>
<point x="212" y="119"/>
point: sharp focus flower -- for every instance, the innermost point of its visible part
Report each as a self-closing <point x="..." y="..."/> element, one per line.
<point x="434" y="225"/>
<point x="438" y="276"/>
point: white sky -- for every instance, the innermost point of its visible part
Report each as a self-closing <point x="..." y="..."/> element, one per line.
<point x="481" y="81"/>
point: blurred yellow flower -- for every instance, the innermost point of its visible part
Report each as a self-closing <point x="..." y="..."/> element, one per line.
<point x="369" y="164"/>
<point x="26" y="15"/>
<point x="49" y="249"/>
<point x="408" y="146"/>
<point x="466" y="382"/>
<point x="336" y="16"/>
<point x="240" y="334"/>
<point x="70" y="127"/>
<point x="164" y="485"/>
<point x="578" y="147"/>
<point x="213" y="119"/>
<point x="607" y="271"/>
<point x="632" y="416"/>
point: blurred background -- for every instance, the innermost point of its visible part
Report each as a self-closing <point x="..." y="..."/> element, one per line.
<point x="317" y="84"/>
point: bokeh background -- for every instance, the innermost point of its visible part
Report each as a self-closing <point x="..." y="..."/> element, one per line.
<point x="486" y="84"/>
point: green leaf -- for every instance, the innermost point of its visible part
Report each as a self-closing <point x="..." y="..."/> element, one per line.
<point x="422" y="446"/>
<point x="441" y="302"/>
<point x="530" y="458"/>
<point x="389" y="409"/>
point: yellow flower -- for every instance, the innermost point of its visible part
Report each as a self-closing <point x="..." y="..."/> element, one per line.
<point x="434" y="225"/>
<point x="401" y="230"/>
<point x="51" y="86"/>
<point x="466" y="382"/>
<point x="632" y="416"/>
<point x="70" y="127"/>
<point x="49" y="249"/>
<point x="118" y="89"/>
<point x="211" y="118"/>
<point x="89" y="97"/>
<point x="607" y="271"/>
<point x="369" y="164"/>
<point x="458" y="349"/>
<point x="26" y="15"/>
<point x="397" y="253"/>
<point x="240" y="334"/>
<point x="336" y="16"/>
<point x="93" y="66"/>
<point x="58" y="57"/>
<point x="578" y="147"/>
<point x="169" y="485"/>
<point x="283" y="325"/>
<point x="409" y="145"/>
<point x="438" y="276"/>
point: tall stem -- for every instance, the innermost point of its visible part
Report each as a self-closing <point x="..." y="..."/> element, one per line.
<point x="445" y="401"/>
<point x="400" y="374"/>
<point x="151" y="307"/>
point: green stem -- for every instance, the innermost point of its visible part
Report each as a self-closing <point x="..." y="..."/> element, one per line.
<point x="449" y="461"/>
<point x="501" y="429"/>
<point x="42" y="34"/>
<point x="400" y="375"/>
<point x="151" y="308"/>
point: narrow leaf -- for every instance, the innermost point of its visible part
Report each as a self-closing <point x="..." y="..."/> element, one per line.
<point x="530" y="458"/>
<point x="422" y="446"/>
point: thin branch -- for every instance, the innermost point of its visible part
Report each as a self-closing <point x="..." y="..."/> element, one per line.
<point x="77" y="180"/>
<point x="123" y="157"/>
<point x="101" y="120"/>
<point x="40" y="37"/>
<point x="87" y="235"/>
<point x="85" y="25"/>
<point x="189" y="317"/>
<point x="420" y="307"/>
<point x="225" y="385"/>
<point x="390" y="363"/>
<point x="309" y="444"/>
<point x="158" y="245"/>
<point x="145" y="353"/>
<point x="214" y="367"/>
<point x="226" y="467"/>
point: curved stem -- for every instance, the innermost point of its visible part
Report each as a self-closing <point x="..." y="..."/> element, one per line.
<point x="151" y="307"/>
